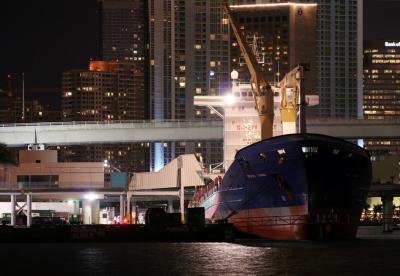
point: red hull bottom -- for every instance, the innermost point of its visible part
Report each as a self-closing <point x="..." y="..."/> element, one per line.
<point x="288" y="224"/>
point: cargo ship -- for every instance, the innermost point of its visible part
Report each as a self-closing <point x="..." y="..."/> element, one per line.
<point x="291" y="187"/>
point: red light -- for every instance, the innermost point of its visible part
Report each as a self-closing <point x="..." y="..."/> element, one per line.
<point x="125" y="220"/>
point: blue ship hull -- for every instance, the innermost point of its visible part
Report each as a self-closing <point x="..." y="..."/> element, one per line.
<point x="290" y="187"/>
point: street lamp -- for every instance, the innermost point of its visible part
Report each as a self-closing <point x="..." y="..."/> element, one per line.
<point x="111" y="168"/>
<point x="23" y="93"/>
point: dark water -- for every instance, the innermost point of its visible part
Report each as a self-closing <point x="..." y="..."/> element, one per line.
<point x="246" y="257"/>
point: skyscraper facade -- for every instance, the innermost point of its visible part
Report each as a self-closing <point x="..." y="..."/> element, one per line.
<point x="338" y="55"/>
<point x="382" y="80"/>
<point x="122" y="30"/>
<point x="277" y="38"/>
<point x="381" y="89"/>
<point x="189" y="55"/>
<point x="107" y="91"/>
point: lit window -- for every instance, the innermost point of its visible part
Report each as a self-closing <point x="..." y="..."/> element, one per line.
<point x="197" y="46"/>
<point x="198" y="90"/>
<point x="309" y="149"/>
<point x="212" y="63"/>
<point x="281" y="151"/>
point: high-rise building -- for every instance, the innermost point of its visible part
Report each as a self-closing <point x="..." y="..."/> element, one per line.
<point x="189" y="55"/>
<point x="108" y="91"/>
<point x="382" y="80"/>
<point x="122" y="29"/>
<point x="124" y="36"/>
<point x="382" y="89"/>
<point x="338" y="53"/>
<point x="277" y="37"/>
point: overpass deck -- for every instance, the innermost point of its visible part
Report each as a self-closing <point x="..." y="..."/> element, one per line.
<point x="77" y="133"/>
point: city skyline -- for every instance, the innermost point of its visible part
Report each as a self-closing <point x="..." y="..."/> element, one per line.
<point x="30" y="45"/>
<point x="155" y="98"/>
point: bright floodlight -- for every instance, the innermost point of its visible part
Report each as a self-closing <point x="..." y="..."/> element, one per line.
<point x="70" y="202"/>
<point x="90" y="196"/>
<point x="105" y="163"/>
<point x="234" y="74"/>
<point x="229" y="99"/>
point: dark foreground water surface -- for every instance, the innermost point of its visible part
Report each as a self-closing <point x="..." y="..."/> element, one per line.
<point x="245" y="257"/>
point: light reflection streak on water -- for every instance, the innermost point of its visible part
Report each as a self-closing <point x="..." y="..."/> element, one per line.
<point x="230" y="259"/>
<point x="93" y="259"/>
<point x="178" y="259"/>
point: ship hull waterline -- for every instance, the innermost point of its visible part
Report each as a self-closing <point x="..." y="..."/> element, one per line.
<point x="292" y="187"/>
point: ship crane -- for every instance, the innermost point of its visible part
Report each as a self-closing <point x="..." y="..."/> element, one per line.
<point x="293" y="101"/>
<point x="263" y="94"/>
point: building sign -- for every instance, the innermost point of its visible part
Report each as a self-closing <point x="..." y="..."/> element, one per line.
<point x="392" y="44"/>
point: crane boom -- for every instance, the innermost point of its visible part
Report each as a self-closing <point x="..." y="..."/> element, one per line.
<point x="262" y="92"/>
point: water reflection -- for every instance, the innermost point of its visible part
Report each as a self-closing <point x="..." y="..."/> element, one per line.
<point x="371" y="257"/>
<point x="234" y="259"/>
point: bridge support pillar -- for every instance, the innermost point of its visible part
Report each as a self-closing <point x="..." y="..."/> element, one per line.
<point x="28" y="210"/>
<point x="128" y="208"/>
<point x="121" y="208"/>
<point x="91" y="210"/>
<point x="134" y="213"/>
<point x="13" y="203"/>
<point x="387" y="213"/>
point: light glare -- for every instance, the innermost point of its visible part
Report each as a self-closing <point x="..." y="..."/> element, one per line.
<point x="230" y="99"/>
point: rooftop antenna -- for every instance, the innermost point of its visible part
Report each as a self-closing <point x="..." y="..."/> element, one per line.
<point x="36" y="145"/>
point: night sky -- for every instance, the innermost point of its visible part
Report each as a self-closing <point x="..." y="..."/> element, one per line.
<point x="43" y="38"/>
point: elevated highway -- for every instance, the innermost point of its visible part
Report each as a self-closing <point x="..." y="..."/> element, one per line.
<point x="356" y="128"/>
<point x="77" y="133"/>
